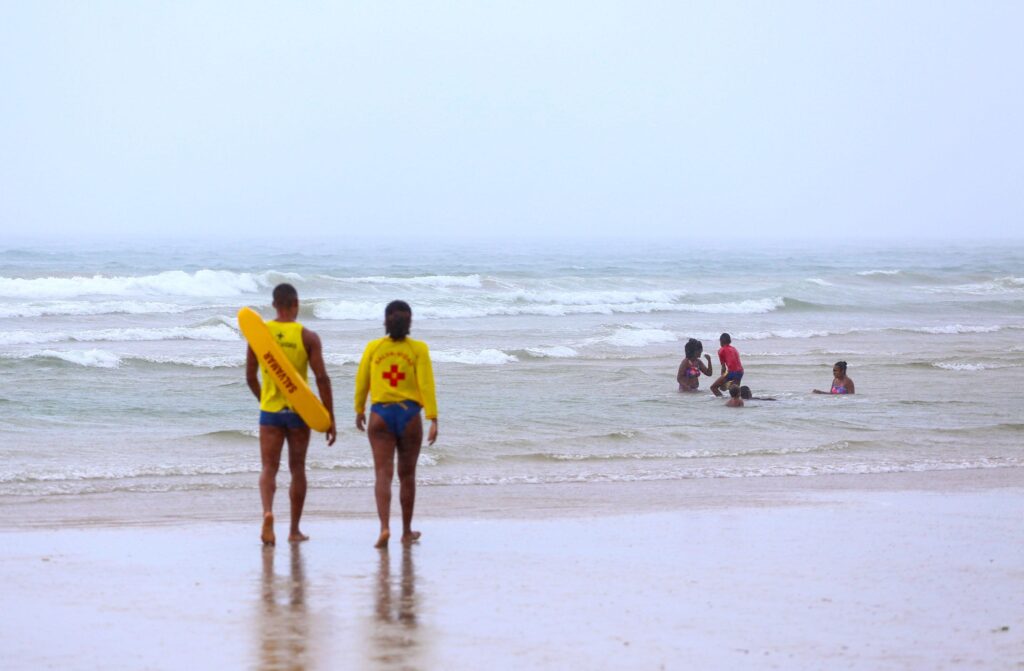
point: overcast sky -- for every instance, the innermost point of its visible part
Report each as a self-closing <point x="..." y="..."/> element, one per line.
<point x="715" y="120"/>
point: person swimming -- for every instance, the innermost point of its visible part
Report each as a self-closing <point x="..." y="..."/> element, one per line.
<point x="734" y="398"/>
<point x="841" y="383"/>
<point x="691" y="367"/>
<point x="747" y="395"/>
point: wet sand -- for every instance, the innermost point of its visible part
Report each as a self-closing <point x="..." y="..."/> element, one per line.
<point x="922" y="571"/>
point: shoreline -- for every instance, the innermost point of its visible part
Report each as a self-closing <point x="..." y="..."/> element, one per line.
<point x="519" y="501"/>
<point x="870" y="574"/>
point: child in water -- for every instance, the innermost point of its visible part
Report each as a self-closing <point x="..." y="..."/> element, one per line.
<point x="690" y="369"/>
<point x="732" y="369"/>
<point x="734" y="398"/>
<point x="841" y="384"/>
<point x="747" y="395"/>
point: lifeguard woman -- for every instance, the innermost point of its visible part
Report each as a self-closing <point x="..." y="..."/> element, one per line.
<point x="396" y="373"/>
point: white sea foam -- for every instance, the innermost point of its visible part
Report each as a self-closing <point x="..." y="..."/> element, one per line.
<point x="487" y="357"/>
<point x="170" y="480"/>
<point x="314" y="465"/>
<point x="1001" y="286"/>
<point x="219" y="332"/>
<point x="606" y="297"/>
<point x="953" y="329"/>
<point x="787" y="334"/>
<point x="119" y="473"/>
<point x="869" y="273"/>
<point x="498" y="306"/>
<point x="88" y="308"/>
<point x="233" y="360"/>
<point x="80" y="472"/>
<point x="747" y="307"/>
<point x="820" y="282"/>
<point x="226" y="361"/>
<point x="200" y="284"/>
<point x="91" y="358"/>
<point x="29" y="337"/>
<point x="957" y="366"/>
<point x="98" y="358"/>
<point x="782" y="334"/>
<point x="488" y="307"/>
<point x="646" y="475"/>
<point x="638" y="337"/>
<point x="555" y="352"/>
<point x="752" y="450"/>
<point x="350" y="310"/>
<point x="435" y="281"/>
<point x="341" y="359"/>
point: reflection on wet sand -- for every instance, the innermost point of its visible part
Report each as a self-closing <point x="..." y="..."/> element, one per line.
<point x="396" y="640"/>
<point x="284" y="621"/>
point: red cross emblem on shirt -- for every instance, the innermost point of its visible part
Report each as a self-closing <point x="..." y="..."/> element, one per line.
<point x="393" y="376"/>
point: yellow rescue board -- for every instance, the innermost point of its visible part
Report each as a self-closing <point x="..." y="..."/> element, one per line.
<point x="270" y="354"/>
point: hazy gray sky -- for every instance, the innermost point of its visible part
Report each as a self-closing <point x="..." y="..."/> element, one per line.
<point x="714" y="120"/>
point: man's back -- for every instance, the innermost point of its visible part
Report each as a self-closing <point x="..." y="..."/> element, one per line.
<point x="730" y="358"/>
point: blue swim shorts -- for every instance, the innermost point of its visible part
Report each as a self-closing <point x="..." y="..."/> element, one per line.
<point x="396" y="415"/>
<point x="734" y="376"/>
<point x="285" y="419"/>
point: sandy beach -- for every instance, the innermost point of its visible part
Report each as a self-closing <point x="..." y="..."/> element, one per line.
<point x="902" y="571"/>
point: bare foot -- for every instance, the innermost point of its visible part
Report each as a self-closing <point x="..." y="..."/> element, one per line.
<point x="411" y="537"/>
<point x="297" y="537"/>
<point x="382" y="541"/>
<point x="267" y="534"/>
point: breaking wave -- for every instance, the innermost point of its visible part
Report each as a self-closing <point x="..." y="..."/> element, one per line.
<point x="501" y="305"/>
<point x="1000" y="286"/>
<point x="216" y="332"/>
<point x="435" y="281"/>
<point x="88" y="308"/>
<point x="199" y="284"/>
<point x="958" y="366"/>
<point x="843" y="445"/>
<point x="487" y="357"/>
<point x="91" y="358"/>
<point x="99" y="358"/>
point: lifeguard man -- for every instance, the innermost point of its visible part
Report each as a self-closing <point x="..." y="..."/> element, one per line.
<point x="278" y="422"/>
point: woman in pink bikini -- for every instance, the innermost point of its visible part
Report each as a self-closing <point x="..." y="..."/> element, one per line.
<point x="691" y="368"/>
<point x="841" y="384"/>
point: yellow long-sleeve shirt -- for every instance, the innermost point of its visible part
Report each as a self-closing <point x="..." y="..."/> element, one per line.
<point x="392" y="371"/>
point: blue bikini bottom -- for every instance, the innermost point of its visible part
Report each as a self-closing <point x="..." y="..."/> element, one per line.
<point x="285" y="419"/>
<point x="396" y="415"/>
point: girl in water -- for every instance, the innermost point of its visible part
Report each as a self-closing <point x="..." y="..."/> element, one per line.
<point x="690" y="369"/>
<point x="396" y="373"/>
<point x="841" y="384"/>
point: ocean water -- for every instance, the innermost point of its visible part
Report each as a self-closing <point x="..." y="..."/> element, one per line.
<point x="123" y="367"/>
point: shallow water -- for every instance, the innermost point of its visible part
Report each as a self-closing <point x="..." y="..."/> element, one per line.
<point x="554" y="363"/>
